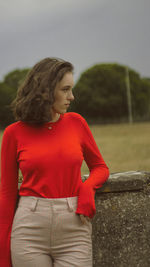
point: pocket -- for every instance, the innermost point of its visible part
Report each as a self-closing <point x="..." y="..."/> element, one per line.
<point x="88" y="219"/>
<point x="21" y="217"/>
<point x="85" y="221"/>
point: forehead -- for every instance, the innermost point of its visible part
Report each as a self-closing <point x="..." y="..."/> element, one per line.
<point x="67" y="80"/>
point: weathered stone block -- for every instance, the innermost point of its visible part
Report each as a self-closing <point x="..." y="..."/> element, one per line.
<point x="121" y="226"/>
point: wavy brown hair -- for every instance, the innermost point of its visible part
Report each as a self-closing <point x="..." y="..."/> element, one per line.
<point x="35" y="96"/>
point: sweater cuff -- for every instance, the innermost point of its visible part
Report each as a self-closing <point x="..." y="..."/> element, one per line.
<point x="86" y="201"/>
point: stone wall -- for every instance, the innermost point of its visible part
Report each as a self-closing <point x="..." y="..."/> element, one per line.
<point x="121" y="226"/>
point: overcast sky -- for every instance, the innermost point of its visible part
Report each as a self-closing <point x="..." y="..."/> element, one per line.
<point x="84" y="32"/>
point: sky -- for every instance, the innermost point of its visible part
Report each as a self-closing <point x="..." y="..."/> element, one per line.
<point x="84" y="32"/>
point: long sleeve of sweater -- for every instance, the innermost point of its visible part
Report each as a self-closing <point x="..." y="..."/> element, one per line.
<point x="8" y="194"/>
<point x="99" y="173"/>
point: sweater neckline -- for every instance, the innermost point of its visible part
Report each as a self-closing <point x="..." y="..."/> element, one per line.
<point x="54" y="122"/>
<point x="45" y="124"/>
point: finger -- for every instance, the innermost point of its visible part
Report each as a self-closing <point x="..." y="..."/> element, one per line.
<point x="82" y="218"/>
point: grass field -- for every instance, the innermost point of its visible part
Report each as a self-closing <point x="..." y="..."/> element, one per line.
<point x="124" y="147"/>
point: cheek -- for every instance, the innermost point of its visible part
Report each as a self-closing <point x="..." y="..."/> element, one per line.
<point x="60" y="97"/>
<point x="58" y="100"/>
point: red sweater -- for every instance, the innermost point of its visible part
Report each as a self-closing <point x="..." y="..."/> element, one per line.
<point x="50" y="158"/>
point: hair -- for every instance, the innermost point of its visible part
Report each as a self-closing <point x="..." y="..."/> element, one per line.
<point x="35" y="96"/>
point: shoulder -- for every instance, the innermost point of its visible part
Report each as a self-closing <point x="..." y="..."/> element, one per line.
<point x="74" y="116"/>
<point x="77" y="120"/>
<point x="11" y="128"/>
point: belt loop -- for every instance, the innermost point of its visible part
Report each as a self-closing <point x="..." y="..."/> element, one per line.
<point x="34" y="204"/>
<point x="69" y="204"/>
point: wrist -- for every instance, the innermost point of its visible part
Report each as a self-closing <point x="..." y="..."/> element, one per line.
<point x="86" y="201"/>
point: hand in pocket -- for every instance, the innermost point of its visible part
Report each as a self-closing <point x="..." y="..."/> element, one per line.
<point x="84" y="218"/>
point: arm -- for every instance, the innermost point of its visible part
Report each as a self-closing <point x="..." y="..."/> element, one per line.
<point x="8" y="193"/>
<point x="99" y="173"/>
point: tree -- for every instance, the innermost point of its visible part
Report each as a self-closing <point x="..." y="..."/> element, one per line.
<point x="14" y="78"/>
<point x="6" y="96"/>
<point x="8" y="90"/>
<point x="101" y="93"/>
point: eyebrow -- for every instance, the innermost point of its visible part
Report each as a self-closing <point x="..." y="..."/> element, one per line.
<point x="67" y="86"/>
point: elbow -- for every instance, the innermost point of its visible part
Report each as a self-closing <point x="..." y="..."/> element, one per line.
<point x="106" y="173"/>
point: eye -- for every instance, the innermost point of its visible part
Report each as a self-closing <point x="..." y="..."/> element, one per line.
<point x="65" y="89"/>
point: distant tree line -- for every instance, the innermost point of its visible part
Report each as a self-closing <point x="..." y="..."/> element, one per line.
<point x="100" y="94"/>
<point x="8" y="90"/>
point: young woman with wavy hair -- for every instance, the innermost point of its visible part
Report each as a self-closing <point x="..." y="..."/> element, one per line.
<point x="51" y="225"/>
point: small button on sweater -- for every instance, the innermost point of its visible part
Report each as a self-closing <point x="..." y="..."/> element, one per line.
<point x="50" y="158"/>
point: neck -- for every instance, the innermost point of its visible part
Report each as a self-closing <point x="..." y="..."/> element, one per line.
<point x="55" y="117"/>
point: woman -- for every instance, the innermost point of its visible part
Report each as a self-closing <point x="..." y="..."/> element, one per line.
<point x="52" y="223"/>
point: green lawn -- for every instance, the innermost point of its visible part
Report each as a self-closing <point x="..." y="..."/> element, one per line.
<point x="124" y="147"/>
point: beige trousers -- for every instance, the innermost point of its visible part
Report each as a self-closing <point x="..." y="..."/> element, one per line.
<point x="46" y="232"/>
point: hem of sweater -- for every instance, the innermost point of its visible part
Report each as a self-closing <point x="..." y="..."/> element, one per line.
<point x="47" y="197"/>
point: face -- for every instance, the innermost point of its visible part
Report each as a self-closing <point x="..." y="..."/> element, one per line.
<point x="63" y="94"/>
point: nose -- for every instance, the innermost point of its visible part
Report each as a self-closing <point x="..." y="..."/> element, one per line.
<point x="71" y="96"/>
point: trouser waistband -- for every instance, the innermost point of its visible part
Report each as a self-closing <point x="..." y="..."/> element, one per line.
<point x="33" y="202"/>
